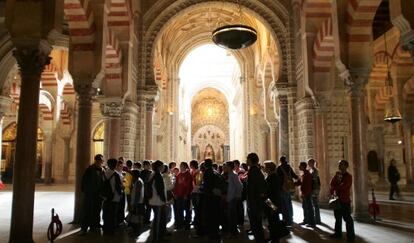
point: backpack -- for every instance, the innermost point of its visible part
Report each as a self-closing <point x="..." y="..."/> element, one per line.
<point x="107" y="192"/>
<point x="288" y="184"/>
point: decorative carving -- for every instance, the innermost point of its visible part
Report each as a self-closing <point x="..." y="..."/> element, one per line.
<point x="33" y="59"/>
<point x="111" y="107"/>
<point x="283" y="100"/>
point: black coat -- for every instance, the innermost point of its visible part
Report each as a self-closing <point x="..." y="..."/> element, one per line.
<point x="274" y="188"/>
<point x="256" y="186"/>
<point x="92" y="180"/>
<point x="393" y="174"/>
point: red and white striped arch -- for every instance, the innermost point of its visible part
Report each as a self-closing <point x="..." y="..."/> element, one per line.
<point x="68" y="89"/>
<point x="360" y="15"/>
<point x="317" y="8"/>
<point x="402" y="58"/>
<point x="113" y="58"/>
<point x="65" y="114"/>
<point x="80" y="19"/>
<point x="324" y="48"/>
<point x="49" y="76"/>
<point x="381" y="98"/>
<point x="119" y="13"/>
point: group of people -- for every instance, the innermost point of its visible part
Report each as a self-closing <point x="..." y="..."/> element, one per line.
<point x="210" y="197"/>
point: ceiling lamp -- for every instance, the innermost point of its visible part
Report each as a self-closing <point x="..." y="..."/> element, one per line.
<point x="392" y="113"/>
<point x="236" y="36"/>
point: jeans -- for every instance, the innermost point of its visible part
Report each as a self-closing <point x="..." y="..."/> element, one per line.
<point x="183" y="206"/>
<point x="344" y="212"/>
<point x="196" y="199"/>
<point x="308" y="214"/>
<point x="159" y="225"/>
<point x="232" y="216"/>
<point x="286" y="207"/>
<point x="315" y="204"/>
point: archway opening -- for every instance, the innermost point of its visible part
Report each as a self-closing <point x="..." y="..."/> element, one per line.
<point x="208" y="91"/>
<point x="98" y="139"/>
<point x="8" y="153"/>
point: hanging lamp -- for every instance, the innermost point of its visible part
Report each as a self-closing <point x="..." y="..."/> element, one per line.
<point x="392" y="113"/>
<point x="236" y="36"/>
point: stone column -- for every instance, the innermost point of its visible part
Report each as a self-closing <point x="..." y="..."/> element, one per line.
<point x="283" y="125"/>
<point x="31" y="61"/>
<point x="141" y="129"/>
<point x="408" y="152"/>
<point x="358" y="151"/>
<point x="111" y="108"/>
<point x="291" y="96"/>
<point x="148" y="135"/>
<point x="321" y="148"/>
<point x="273" y="142"/>
<point x="83" y="141"/>
<point x="48" y="157"/>
<point x="66" y="159"/>
<point x="5" y="103"/>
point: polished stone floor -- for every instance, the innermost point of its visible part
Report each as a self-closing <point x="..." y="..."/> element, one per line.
<point x="397" y="224"/>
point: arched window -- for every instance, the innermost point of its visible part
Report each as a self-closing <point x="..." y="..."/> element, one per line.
<point x="98" y="139"/>
<point x="373" y="161"/>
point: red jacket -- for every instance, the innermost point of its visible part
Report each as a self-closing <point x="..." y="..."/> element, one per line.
<point x="306" y="184"/>
<point x="183" y="185"/>
<point x="342" y="186"/>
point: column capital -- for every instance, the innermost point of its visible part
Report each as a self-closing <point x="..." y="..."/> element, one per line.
<point x="283" y="100"/>
<point x="355" y="80"/>
<point x="322" y="103"/>
<point x="111" y="107"/>
<point x="273" y="126"/>
<point x="150" y="104"/>
<point x="32" y="59"/>
<point x="84" y="92"/>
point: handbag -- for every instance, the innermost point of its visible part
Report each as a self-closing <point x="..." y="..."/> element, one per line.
<point x="334" y="203"/>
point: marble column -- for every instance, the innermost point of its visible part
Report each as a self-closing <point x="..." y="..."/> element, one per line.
<point x="111" y="108"/>
<point x="407" y="126"/>
<point x="141" y="129"/>
<point x="66" y="159"/>
<point x="292" y="97"/>
<point x="273" y="142"/>
<point x="31" y="61"/>
<point x="47" y="141"/>
<point x="283" y="126"/>
<point x="83" y="141"/>
<point x="148" y="135"/>
<point x="5" y="103"/>
<point x="358" y="150"/>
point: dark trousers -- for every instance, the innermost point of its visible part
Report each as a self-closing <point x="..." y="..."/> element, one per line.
<point x="274" y="224"/>
<point x="147" y="212"/>
<point x="286" y="207"/>
<point x="240" y="213"/>
<point x="121" y="210"/>
<point x="344" y="212"/>
<point x="232" y="216"/>
<point x="195" y="199"/>
<point x="308" y="213"/>
<point x="91" y="213"/>
<point x="211" y="214"/>
<point x="315" y="204"/>
<point x="109" y="215"/>
<point x="159" y="223"/>
<point x="394" y="189"/>
<point x="255" y="210"/>
<point x="183" y="207"/>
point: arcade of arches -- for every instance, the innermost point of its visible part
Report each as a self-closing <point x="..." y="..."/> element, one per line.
<point x="142" y="80"/>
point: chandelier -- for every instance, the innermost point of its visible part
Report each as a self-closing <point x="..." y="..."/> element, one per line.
<point x="236" y="36"/>
<point x="392" y="113"/>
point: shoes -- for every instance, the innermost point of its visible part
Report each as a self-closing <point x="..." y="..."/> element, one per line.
<point x="336" y="236"/>
<point x="391" y="198"/>
<point x="303" y="223"/>
<point x="249" y="232"/>
<point x="311" y="225"/>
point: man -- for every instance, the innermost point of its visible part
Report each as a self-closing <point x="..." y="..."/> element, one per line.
<point x="233" y="197"/>
<point x="256" y="190"/>
<point x="393" y="178"/>
<point x="145" y="175"/>
<point x="341" y="187"/>
<point x="211" y="200"/>
<point x="197" y="178"/>
<point x="286" y="175"/>
<point x="243" y="178"/>
<point x="157" y="202"/>
<point x="110" y="205"/>
<point x="182" y="191"/>
<point x="128" y="183"/>
<point x="91" y="185"/>
<point x="306" y="193"/>
<point x="316" y="187"/>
